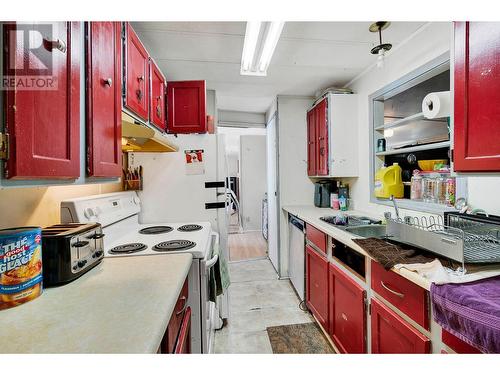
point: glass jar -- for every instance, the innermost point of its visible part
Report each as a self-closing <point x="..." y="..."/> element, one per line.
<point x="416" y="190"/>
<point x="429" y="190"/>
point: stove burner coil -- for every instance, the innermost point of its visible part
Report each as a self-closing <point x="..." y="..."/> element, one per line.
<point x="128" y="248"/>
<point x="159" y="229"/>
<point x="190" y="228"/>
<point x="174" y="245"/>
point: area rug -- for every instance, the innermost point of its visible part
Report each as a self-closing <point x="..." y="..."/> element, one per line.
<point x="306" y="338"/>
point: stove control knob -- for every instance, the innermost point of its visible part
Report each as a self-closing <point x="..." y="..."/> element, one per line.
<point x="89" y="213"/>
<point x="98" y="253"/>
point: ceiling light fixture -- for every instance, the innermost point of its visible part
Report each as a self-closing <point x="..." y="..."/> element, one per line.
<point x="381" y="48"/>
<point x="260" y="42"/>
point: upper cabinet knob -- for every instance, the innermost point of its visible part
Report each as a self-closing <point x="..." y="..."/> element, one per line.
<point x="108" y="81"/>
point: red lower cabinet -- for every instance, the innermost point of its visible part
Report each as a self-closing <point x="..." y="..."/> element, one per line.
<point x="391" y="334"/>
<point x="317" y="285"/>
<point x="458" y="345"/>
<point x="347" y="312"/>
<point x="177" y="323"/>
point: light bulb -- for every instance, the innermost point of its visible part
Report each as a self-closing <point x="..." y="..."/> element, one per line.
<point x="380" y="58"/>
<point x="388" y="133"/>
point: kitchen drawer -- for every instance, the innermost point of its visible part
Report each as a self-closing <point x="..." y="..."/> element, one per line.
<point x="402" y="293"/>
<point x="175" y="323"/>
<point x="458" y="345"/>
<point x="316" y="237"/>
<point x="392" y="335"/>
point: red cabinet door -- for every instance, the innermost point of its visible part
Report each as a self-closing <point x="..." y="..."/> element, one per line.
<point x="157" y="99"/>
<point x="477" y="113"/>
<point x="322" y="136"/>
<point x="175" y="323"/>
<point x="391" y="334"/>
<point x="317" y="285"/>
<point x="136" y="75"/>
<point x="183" y="345"/>
<point x="103" y="120"/>
<point x="347" y="312"/>
<point x="311" y="143"/>
<point x="44" y="124"/>
<point x="186" y="107"/>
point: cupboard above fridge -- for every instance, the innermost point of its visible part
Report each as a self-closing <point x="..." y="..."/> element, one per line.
<point x="332" y="136"/>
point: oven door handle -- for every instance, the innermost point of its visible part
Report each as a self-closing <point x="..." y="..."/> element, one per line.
<point x="210" y="263"/>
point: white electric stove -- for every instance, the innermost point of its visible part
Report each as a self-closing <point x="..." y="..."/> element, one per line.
<point x="118" y="213"/>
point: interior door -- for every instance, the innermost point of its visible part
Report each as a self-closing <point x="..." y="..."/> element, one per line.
<point x="104" y="90"/>
<point x="272" y="193"/>
<point x="322" y="138"/>
<point x="44" y="125"/>
<point x="477" y="113"/>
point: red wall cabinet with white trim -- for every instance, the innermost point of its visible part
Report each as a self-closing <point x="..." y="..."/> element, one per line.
<point x="391" y="334"/>
<point x="346" y="312"/>
<point x="317" y="285"/>
<point x="44" y="125"/>
<point x="103" y="104"/>
<point x="477" y="113"/>
<point x="136" y="75"/>
<point x="317" y="140"/>
<point x="311" y="143"/>
<point x="157" y="100"/>
<point x="186" y="108"/>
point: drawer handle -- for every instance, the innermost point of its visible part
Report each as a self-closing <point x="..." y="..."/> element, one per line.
<point x="55" y="44"/>
<point x="400" y="295"/>
<point x="181" y="311"/>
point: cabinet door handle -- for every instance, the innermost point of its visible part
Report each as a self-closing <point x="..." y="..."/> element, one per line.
<point x="322" y="151"/>
<point x="140" y="78"/>
<point x="400" y="295"/>
<point x="184" y="307"/>
<point x="54" y="44"/>
<point x="139" y="95"/>
<point x="108" y="81"/>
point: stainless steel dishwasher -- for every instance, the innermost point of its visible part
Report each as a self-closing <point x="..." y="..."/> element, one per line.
<point x="296" y="256"/>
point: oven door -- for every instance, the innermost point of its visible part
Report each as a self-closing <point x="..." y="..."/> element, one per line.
<point x="210" y="315"/>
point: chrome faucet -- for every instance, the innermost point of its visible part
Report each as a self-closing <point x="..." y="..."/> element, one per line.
<point x="395" y="206"/>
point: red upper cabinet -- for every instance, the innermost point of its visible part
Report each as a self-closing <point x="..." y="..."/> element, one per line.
<point x="103" y="84"/>
<point x="317" y="285"/>
<point x="186" y="107"/>
<point x="157" y="100"/>
<point x="311" y="143"/>
<point x="136" y="75"/>
<point x="477" y="113"/>
<point x="43" y="124"/>
<point x="322" y="134"/>
<point x="391" y="334"/>
<point x="347" y="312"/>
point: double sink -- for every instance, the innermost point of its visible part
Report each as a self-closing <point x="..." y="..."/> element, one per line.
<point x="360" y="226"/>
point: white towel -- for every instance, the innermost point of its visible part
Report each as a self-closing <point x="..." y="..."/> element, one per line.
<point x="436" y="273"/>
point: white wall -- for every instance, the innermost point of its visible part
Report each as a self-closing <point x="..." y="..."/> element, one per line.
<point x="432" y="41"/>
<point x="253" y="177"/>
<point x="294" y="185"/>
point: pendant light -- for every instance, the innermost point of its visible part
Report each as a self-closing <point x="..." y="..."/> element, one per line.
<point x="382" y="48"/>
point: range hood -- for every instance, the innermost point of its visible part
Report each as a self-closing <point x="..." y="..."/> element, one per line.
<point x="142" y="138"/>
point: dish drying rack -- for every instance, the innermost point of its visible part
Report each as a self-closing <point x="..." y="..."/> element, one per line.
<point x="460" y="237"/>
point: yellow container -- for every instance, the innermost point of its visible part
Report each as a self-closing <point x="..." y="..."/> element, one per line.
<point x="388" y="182"/>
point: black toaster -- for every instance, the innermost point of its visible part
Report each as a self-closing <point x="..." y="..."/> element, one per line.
<point x="70" y="250"/>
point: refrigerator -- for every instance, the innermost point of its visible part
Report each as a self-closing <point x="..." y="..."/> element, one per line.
<point x="187" y="186"/>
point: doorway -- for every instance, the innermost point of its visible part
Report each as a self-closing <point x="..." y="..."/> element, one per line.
<point x="247" y="181"/>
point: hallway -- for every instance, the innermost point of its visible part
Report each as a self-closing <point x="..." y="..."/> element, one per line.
<point x="258" y="300"/>
<point x="247" y="246"/>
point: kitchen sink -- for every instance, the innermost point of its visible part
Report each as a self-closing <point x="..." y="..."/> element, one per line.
<point x="352" y="220"/>
<point x="374" y="230"/>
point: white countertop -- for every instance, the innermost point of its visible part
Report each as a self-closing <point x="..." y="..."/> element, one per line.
<point x="311" y="215"/>
<point x="121" y="306"/>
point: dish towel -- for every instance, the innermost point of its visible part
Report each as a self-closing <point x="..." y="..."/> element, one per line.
<point x="389" y="254"/>
<point x="470" y="311"/>
<point x="219" y="275"/>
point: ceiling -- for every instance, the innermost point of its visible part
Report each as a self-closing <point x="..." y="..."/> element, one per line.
<point x="309" y="56"/>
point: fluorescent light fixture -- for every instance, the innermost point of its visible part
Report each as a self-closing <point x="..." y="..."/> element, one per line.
<point x="251" y="37"/>
<point x="261" y="39"/>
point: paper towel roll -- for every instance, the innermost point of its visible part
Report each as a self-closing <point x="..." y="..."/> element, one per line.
<point x="436" y="104"/>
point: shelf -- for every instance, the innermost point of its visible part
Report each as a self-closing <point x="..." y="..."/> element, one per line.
<point x="406" y="120"/>
<point x="405" y="150"/>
